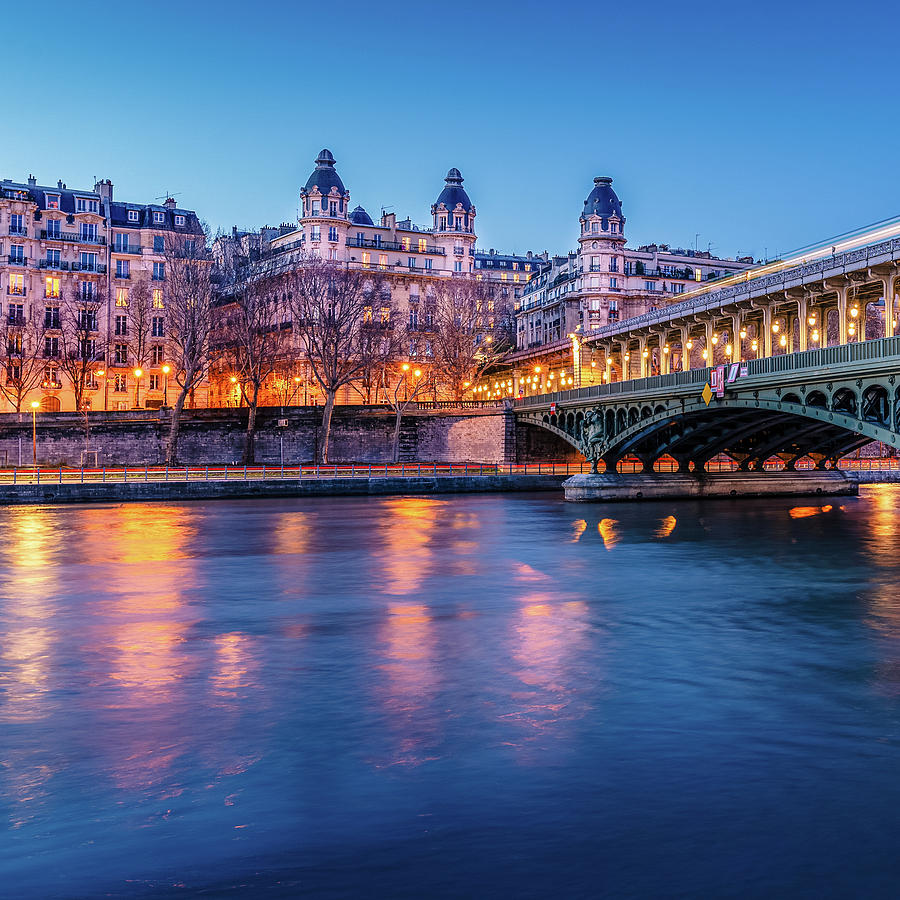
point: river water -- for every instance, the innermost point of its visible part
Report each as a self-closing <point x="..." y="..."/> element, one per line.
<point x="468" y="696"/>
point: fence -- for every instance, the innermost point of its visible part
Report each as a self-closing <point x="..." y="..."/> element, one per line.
<point x="147" y="474"/>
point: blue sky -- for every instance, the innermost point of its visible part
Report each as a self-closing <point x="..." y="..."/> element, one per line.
<point x="760" y="126"/>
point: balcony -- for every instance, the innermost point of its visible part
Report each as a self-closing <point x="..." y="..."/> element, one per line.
<point x="394" y="245"/>
<point x="17" y="260"/>
<point x="15" y="319"/>
<point x="16" y="292"/>
<point x="158" y="278"/>
<point x="130" y="249"/>
<point x="73" y="237"/>
<point x="51" y="385"/>
<point x="56" y="265"/>
<point x="98" y="268"/>
<point x="18" y="231"/>
<point x="125" y="275"/>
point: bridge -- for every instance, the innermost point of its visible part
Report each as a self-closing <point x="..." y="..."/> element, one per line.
<point x="818" y="371"/>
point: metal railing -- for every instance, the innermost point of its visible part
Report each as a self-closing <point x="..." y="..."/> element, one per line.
<point x="182" y="474"/>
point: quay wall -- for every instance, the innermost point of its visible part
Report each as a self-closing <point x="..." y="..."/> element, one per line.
<point x="359" y="434"/>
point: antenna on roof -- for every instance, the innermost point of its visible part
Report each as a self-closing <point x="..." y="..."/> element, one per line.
<point x="168" y="196"/>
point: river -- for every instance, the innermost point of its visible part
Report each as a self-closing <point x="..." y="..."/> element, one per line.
<point x="466" y="696"/>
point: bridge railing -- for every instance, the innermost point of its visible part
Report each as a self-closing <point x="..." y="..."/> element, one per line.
<point x="861" y="351"/>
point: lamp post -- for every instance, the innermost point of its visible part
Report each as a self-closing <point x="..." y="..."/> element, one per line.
<point x="166" y="369"/>
<point x="34" y="408"/>
<point x="101" y="373"/>
<point x="137" y="387"/>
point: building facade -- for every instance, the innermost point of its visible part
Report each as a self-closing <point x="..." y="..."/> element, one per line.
<point x="82" y="252"/>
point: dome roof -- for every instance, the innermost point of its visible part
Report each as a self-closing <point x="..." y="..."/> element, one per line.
<point x="360" y="217"/>
<point x="602" y="200"/>
<point x="454" y="192"/>
<point x="324" y="176"/>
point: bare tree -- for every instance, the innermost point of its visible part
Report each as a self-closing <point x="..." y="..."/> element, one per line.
<point x="139" y="315"/>
<point x="333" y="307"/>
<point x="78" y="337"/>
<point x="23" y="356"/>
<point x="188" y="306"/>
<point x="247" y="330"/>
<point x="410" y="383"/>
<point x="472" y="331"/>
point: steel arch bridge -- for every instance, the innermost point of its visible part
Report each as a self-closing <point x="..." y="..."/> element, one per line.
<point x="820" y="404"/>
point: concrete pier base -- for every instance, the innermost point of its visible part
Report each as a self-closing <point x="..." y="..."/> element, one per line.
<point x="595" y="488"/>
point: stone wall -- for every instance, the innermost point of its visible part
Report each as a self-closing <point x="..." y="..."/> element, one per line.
<point x="359" y="434"/>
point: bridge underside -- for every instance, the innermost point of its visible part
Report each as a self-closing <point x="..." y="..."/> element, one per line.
<point x="749" y="436"/>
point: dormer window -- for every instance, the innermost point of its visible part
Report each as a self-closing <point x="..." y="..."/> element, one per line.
<point x="158" y="218"/>
<point x="52" y="201"/>
<point x="179" y="220"/>
<point x="314" y="208"/>
<point x="132" y="215"/>
<point x="85" y="204"/>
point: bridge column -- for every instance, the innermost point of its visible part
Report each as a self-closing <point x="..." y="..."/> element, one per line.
<point x="888" y="281"/>
<point x="708" y="333"/>
<point x="644" y="353"/>
<point x="737" y="351"/>
<point x="685" y="350"/>
<point x="802" y="313"/>
<point x="626" y="362"/>
<point x="767" y="331"/>
<point x="843" y="312"/>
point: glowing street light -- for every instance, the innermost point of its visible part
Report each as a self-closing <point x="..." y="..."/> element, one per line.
<point x="137" y="386"/>
<point x="166" y="369"/>
<point x="34" y="408"/>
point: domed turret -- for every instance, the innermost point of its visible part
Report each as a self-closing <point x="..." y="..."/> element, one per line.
<point x="360" y="217"/>
<point x="602" y="200"/>
<point x="453" y="210"/>
<point x="324" y="176"/>
<point x="324" y="193"/>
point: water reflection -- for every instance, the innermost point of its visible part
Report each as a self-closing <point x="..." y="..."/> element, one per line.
<point x="407" y="526"/>
<point x="609" y="532"/>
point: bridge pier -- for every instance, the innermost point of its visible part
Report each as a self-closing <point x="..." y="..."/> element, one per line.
<point x="614" y="487"/>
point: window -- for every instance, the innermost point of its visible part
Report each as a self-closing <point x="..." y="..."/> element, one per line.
<point x="51" y="317"/>
<point x="121" y="354"/>
<point x="158" y="326"/>
<point x="314" y="208"/>
<point x="85" y="204"/>
<point x="121" y="325"/>
<point x="614" y="264"/>
<point x="88" y="347"/>
<point x="51" y="377"/>
<point x="158" y="218"/>
<point x="87" y="320"/>
<point x="332" y="209"/>
<point x="53" y="228"/>
<point x="81" y="204"/>
<point x="89" y="232"/>
<point x="677" y="288"/>
<point x="458" y="249"/>
<point x="51" y="347"/>
<point x="16" y="254"/>
<point x="385" y="315"/>
<point x="132" y="215"/>
<point x="16" y="225"/>
<point x="649" y="285"/>
<point x="190" y="248"/>
<point x="52" y="201"/>
<point x="15" y="314"/>
<point x="123" y="268"/>
<point x="366" y="260"/>
<point x="332" y="233"/>
<point x="614" y="282"/>
<point x="404" y="244"/>
<point x="17" y="285"/>
<point x="120" y="383"/>
<point x="159" y="271"/>
<point x="423" y="245"/>
<point x="411" y="262"/>
<point x="121" y="297"/>
<point x="51" y="287"/>
<point x="52" y="259"/>
<point x="121" y="243"/>
<point x="332" y="253"/>
<point x="159" y="243"/>
<point x="154" y="383"/>
<point x="87" y="290"/>
<point x="414" y="317"/>
<point x="156" y="355"/>
<point x="428" y="263"/>
<point x="315" y="233"/>
<point x="360" y="237"/>
<point x="457" y="267"/>
<point x="13" y="372"/>
<point x="382" y="261"/>
<point x="613" y="305"/>
<point x="443" y="223"/>
<point x="88" y="262"/>
<point x="179" y="220"/>
<point x="157" y="298"/>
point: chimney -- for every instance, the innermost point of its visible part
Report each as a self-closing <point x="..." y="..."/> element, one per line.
<point x="32" y="181"/>
<point x="104" y="189"/>
<point x="170" y="203"/>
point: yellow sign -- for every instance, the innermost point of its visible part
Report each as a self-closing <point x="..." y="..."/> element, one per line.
<point x="707" y="394"/>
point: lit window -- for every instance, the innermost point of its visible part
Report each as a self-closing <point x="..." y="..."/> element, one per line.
<point x="404" y="244"/>
<point x="366" y="259"/>
<point x="423" y="245"/>
<point x="157" y="298"/>
<point x="382" y="261"/>
<point x="52" y="201"/>
<point x="122" y="297"/>
<point x="17" y="284"/>
<point x="51" y="286"/>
